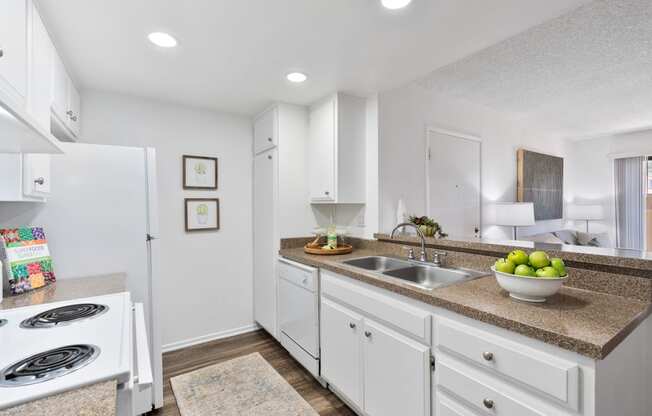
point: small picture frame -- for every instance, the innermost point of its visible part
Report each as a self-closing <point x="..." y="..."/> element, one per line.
<point x="202" y="214"/>
<point x="199" y="172"/>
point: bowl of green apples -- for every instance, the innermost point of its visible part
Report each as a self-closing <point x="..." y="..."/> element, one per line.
<point x="530" y="277"/>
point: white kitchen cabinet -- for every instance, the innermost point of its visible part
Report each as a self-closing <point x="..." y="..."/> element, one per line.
<point x="66" y="103"/>
<point x="40" y="71"/>
<point x="265" y="168"/>
<point x="396" y="373"/>
<point x="265" y="131"/>
<point x="337" y="150"/>
<point x="24" y="177"/>
<point x="280" y="209"/>
<point x="341" y="354"/>
<point x="13" y="50"/>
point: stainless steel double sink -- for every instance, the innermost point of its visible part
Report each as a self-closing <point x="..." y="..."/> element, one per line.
<point x="415" y="273"/>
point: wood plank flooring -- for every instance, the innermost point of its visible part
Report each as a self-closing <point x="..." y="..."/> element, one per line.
<point x="193" y="358"/>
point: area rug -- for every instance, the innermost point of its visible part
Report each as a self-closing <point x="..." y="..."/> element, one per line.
<point x="244" y="386"/>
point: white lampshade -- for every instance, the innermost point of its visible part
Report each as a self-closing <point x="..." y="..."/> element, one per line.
<point x="584" y="212"/>
<point x="515" y="214"/>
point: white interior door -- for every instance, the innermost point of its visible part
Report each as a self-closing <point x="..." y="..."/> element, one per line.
<point x="453" y="183"/>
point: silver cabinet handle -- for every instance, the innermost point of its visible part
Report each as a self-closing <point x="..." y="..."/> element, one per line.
<point x="352" y="325"/>
<point x="367" y="334"/>
<point x="269" y="139"/>
<point x="269" y="157"/>
<point x="2" y="52"/>
<point x="488" y="356"/>
<point x="304" y="281"/>
<point x="326" y="193"/>
<point x="70" y="113"/>
<point x="73" y="118"/>
<point x="39" y="181"/>
<point x="489" y="404"/>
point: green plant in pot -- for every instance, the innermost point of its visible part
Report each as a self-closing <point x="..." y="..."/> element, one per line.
<point x="428" y="226"/>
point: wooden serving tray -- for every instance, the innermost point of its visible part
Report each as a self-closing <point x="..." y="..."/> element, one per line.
<point x="316" y="249"/>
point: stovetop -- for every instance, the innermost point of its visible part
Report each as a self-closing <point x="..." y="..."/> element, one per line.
<point x="51" y="348"/>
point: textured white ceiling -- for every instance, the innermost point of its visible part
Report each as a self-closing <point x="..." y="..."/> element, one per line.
<point x="233" y="54"/>
<point x="586" y="73"/>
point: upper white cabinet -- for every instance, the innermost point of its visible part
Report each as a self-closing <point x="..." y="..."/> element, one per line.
<point x="337" y="150"/>
<point x="24" y="177"/>
<point x="40" y="71"/>
<point x="13" y="50"/>
<point x="66" y="104"/>
<point x="266" y="131"/>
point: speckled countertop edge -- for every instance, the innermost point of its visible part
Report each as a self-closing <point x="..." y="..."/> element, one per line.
<point x="437" y="297"/>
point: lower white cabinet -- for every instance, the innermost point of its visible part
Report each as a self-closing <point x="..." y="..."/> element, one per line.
<point x="341" y="351"/>
<point x="376" y="369"/>
<point x="396" y="373"/>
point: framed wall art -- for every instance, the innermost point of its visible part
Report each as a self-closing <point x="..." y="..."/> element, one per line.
<point x="202" y="214"/>
<point x="540" y="180"/>
<point x="199" y="172"/>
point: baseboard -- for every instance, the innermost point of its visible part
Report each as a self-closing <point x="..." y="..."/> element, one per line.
<point x="173" y="346"/>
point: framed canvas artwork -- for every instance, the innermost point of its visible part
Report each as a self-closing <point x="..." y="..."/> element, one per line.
<point x="202" y="214"/>
<point x="199" y="172"/>
<point x="540" y="180"/>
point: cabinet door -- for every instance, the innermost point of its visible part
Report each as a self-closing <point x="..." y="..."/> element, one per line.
<point x="322" y="152"/>
<point x="264" y="241"/>
<point x="13" y="47"/>
<point x="396" y="373"/>
<point x="60" y="81"/>
<point x="341" y="361"/>
<point x="265" y="128"/>
<point x="40" y="87"/>
<point x="36" y="174"/>
<point x="74" y="103"/>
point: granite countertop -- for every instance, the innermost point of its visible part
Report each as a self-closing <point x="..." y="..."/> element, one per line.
<point x="583" y="321"/>
<point x="68" y="289"/>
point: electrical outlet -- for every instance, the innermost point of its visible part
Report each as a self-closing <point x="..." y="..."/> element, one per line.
<point x="360" y="219"/>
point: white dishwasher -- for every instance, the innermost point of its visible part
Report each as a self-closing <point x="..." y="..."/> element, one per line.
<point x="298" y="312"/>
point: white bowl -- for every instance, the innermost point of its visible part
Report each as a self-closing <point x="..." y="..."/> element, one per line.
<point x="529" y="289"/>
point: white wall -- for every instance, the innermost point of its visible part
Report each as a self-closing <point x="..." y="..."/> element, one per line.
<point x="404" y="114"/>
<point x="590" y="172"/>
<point x="206" y="278"/>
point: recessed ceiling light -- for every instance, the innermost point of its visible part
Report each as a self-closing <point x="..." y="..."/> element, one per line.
<point x="395" y="4"/>
<point x="297" y="77"/>
<point x="162" y="39"/>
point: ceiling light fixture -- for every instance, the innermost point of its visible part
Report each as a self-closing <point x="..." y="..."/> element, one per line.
<point x="162" y="39"/>
<point x="296" y="77"/>
<point x="395" y="4"/>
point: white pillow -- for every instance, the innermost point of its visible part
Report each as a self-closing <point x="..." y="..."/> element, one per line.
<point x="593" y="240"/>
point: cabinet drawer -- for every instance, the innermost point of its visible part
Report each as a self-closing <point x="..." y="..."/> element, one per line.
<point x="540" y="371"/>
<point x="298" y="274"/>
<point x="479" y="394"/>
<point x="449" y="407"/>
<point x="404" y="317"/>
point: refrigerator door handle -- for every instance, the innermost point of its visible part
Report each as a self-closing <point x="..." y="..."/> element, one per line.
<point x="143" y="362"/>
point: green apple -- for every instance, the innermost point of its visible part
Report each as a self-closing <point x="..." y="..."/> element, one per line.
<point x="558" y="265"/>
<point x="524" y="270"/>
<point x="539" y="259"/>
<point x="518" y="257"/>
<point x="547" y="273"/>
<point x="505" y="266"/>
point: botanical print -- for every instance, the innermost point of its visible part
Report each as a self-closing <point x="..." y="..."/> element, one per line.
<point x="199" y="172"/>
<point x="202" y="214"/>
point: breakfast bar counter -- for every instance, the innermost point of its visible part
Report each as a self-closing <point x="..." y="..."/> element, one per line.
<point x="584" y="321"/>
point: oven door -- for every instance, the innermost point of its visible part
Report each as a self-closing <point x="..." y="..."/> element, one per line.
<point x="298" y="312"/>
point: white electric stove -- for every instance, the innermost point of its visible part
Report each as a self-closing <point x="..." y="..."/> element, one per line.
<point x="56" y="347"/>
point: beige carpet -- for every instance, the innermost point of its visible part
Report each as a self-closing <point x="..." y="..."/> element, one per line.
<point x="244" y="386"/>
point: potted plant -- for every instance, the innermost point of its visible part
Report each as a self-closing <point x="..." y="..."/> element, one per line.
<point x="428" y="226"/>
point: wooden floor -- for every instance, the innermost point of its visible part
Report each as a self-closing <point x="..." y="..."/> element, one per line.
<point x="193" y="358"/>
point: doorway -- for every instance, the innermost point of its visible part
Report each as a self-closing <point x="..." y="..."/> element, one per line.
<point x="453" y="182"/>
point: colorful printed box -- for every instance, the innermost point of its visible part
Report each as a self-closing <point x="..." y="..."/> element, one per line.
<point x="27" y="259"/>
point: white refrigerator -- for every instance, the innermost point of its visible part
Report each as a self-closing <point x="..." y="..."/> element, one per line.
<point x="102" y="218"/>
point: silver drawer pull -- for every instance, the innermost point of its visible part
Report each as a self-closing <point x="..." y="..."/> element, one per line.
<point x="489" y="404"/>
<point x="305" y="281"/>
<point x="352" y="325"/>
<point x="2" y="52"/>
<point x="39" y="181"/>
<point x="367" y="334"/>
<point x="489" y="356"/>
<point x="269" y="139"/>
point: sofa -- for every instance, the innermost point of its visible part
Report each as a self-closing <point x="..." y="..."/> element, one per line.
<point x="571" y="237"/>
